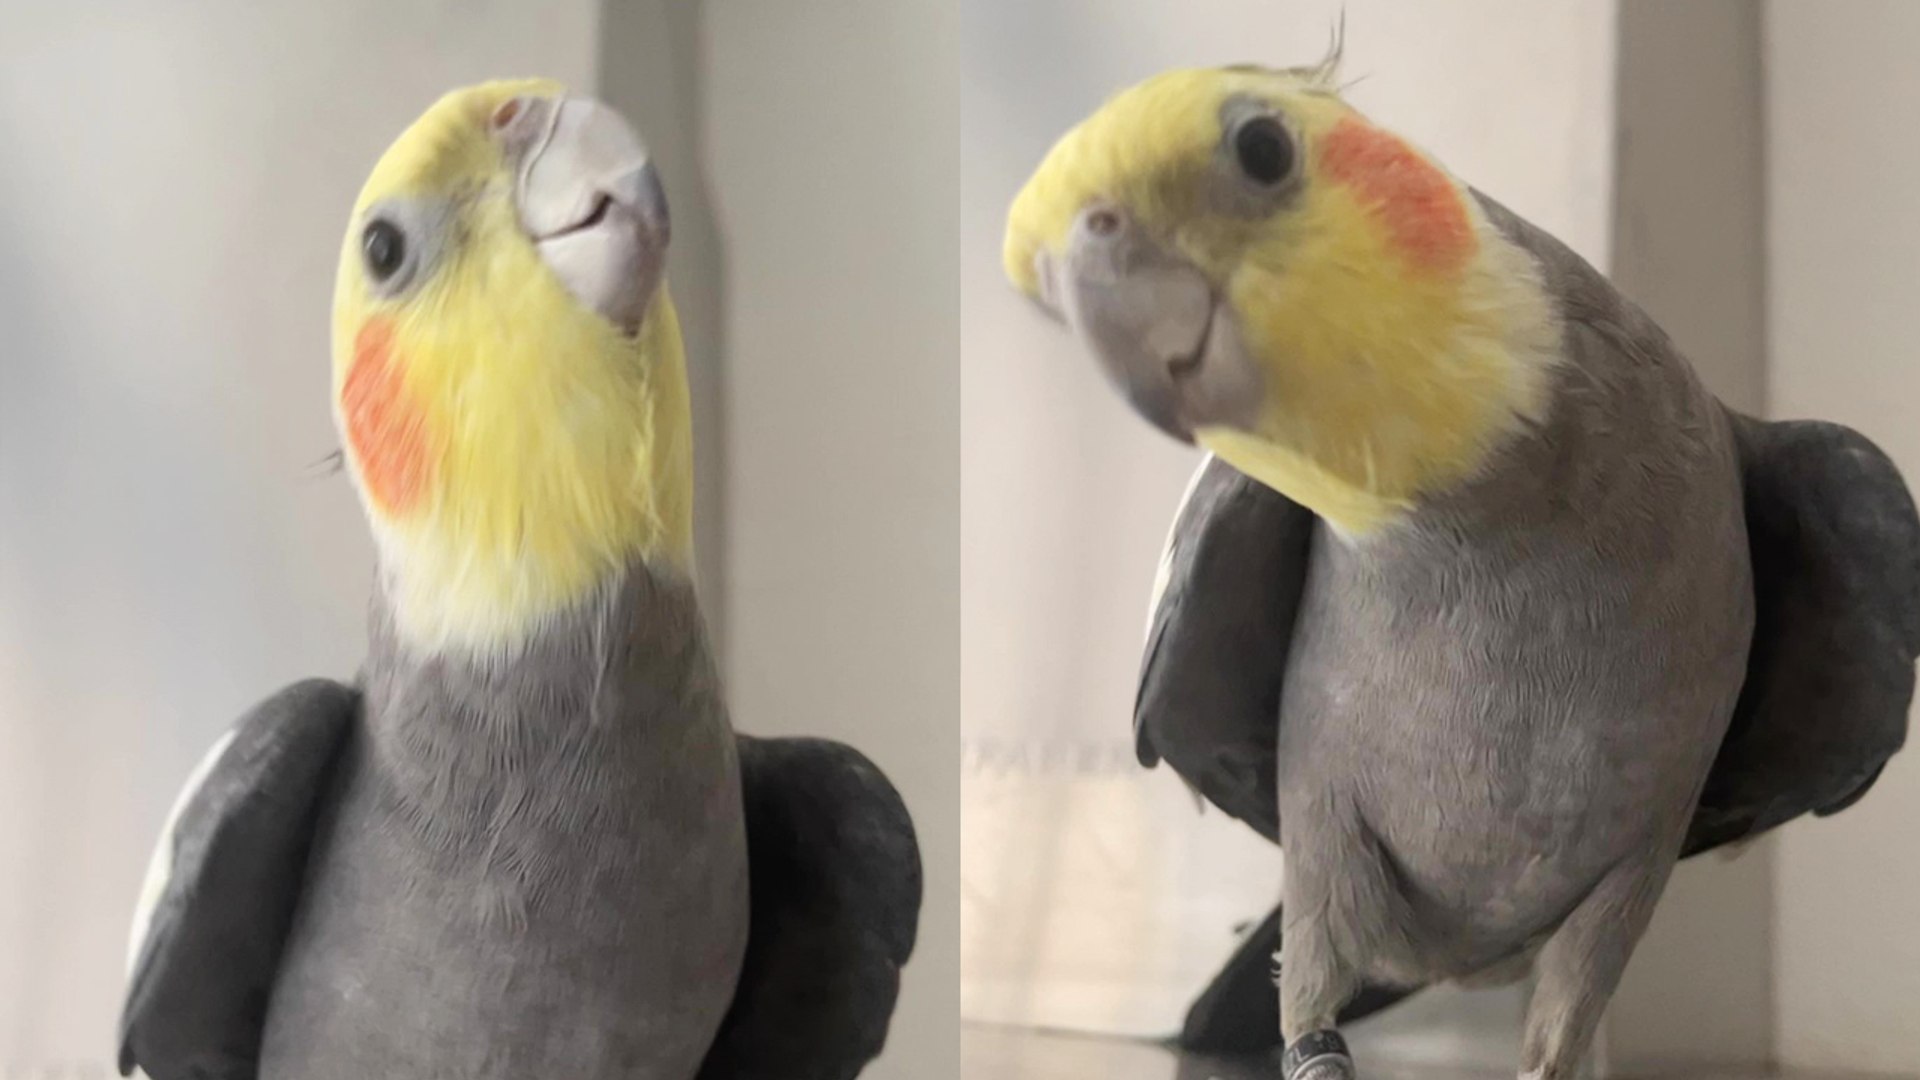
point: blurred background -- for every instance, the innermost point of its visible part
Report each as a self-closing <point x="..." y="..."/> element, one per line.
<point x="174" y="183"/>
<point x="1737" y="167"/>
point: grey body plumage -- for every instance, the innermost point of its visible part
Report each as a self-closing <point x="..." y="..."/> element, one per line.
<point x="538" y="861"/>
<point x="529" y="866"/>
<point x="1647" y="628"/>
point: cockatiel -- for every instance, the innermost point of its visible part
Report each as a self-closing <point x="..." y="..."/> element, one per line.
<point x="526" y="843"/>
<point x="1482" y="606"/>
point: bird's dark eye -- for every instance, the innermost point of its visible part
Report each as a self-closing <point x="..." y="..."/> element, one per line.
<point x="384" y="247"/>
<point x="1263" y="150"/>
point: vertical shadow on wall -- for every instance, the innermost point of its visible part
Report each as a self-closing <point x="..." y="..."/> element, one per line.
<point x="651" y="57"/>
<point x="1689" y="246"/>
<point x="1689" y="194"/>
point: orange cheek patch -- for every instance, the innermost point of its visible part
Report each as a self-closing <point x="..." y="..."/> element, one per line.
<point x="384" y="425"/>
<point x="1419" y="206"/>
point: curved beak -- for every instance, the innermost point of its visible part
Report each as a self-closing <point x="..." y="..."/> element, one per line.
<point x="591" y="201"/>
<point x="1155" y="323"/>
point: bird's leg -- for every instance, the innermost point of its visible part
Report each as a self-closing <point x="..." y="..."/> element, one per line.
<point x="1580" y="967"/>
<point x="1321" y="1055"/>
<point x="1314" y="983"/>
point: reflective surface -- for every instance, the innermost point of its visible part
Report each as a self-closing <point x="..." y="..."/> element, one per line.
<point x="1001" y="1053"/>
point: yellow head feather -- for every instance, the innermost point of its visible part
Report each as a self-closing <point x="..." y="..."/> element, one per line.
<point x="1398" y="335"/>
<point x="514" y="449"/>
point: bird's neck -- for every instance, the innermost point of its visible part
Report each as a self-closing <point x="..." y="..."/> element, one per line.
<point x="555" y="483"/>
<point x="1388" y="388"/>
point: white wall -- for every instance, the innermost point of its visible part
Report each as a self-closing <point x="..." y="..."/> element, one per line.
<point x="1094" y="897"/>
<point x="174" y="182"/>
<point x="829" y="133"/>
<point x="1843" y="95"/>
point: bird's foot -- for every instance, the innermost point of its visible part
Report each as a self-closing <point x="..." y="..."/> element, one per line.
<point x="1318" y="1055"/>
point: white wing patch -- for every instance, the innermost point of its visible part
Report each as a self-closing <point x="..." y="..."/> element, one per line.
<point x="1165" y="573"/>
<point x="160" y="866"/>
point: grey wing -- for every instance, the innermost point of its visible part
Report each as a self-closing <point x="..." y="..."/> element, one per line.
<point x="1209" y="704"/>
<point x="1217" y="643"/>
<point x="1836" y="567"/>
<point x="227" y="878"/>
<point x="835" y="873"/>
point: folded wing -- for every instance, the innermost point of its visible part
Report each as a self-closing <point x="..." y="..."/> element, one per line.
<point x="836" y="904"/>
<point x="224" y="885"/>
<point x="1836" y="572"/>
<point x="1218" y="638"/>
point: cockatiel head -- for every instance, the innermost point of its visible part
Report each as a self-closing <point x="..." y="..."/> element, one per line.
<point x="1262" y="270"/>
<point x="507" y="370"/>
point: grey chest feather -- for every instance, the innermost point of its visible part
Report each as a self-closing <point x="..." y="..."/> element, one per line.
<point x="540" y="861"/>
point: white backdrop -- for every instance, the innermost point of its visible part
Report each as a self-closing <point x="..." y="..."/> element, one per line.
<point x="1095" y="895"/>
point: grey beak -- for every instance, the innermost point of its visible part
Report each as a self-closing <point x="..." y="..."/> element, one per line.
<point x="1154" y="323"/>
<point x="591" y="201"/>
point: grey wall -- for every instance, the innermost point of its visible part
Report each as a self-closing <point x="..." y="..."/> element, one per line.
<point x="1843" y="228"/>
<point x="174" y="182"/>
<point x="830" y="139"/>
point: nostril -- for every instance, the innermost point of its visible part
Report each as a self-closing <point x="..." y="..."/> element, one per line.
<point x="504" y="115"/>
<point x="1103" y="222"/>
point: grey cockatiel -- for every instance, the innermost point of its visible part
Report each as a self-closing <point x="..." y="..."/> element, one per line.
<point x="1484" y="608"/>
<point x="526" y="843"/>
